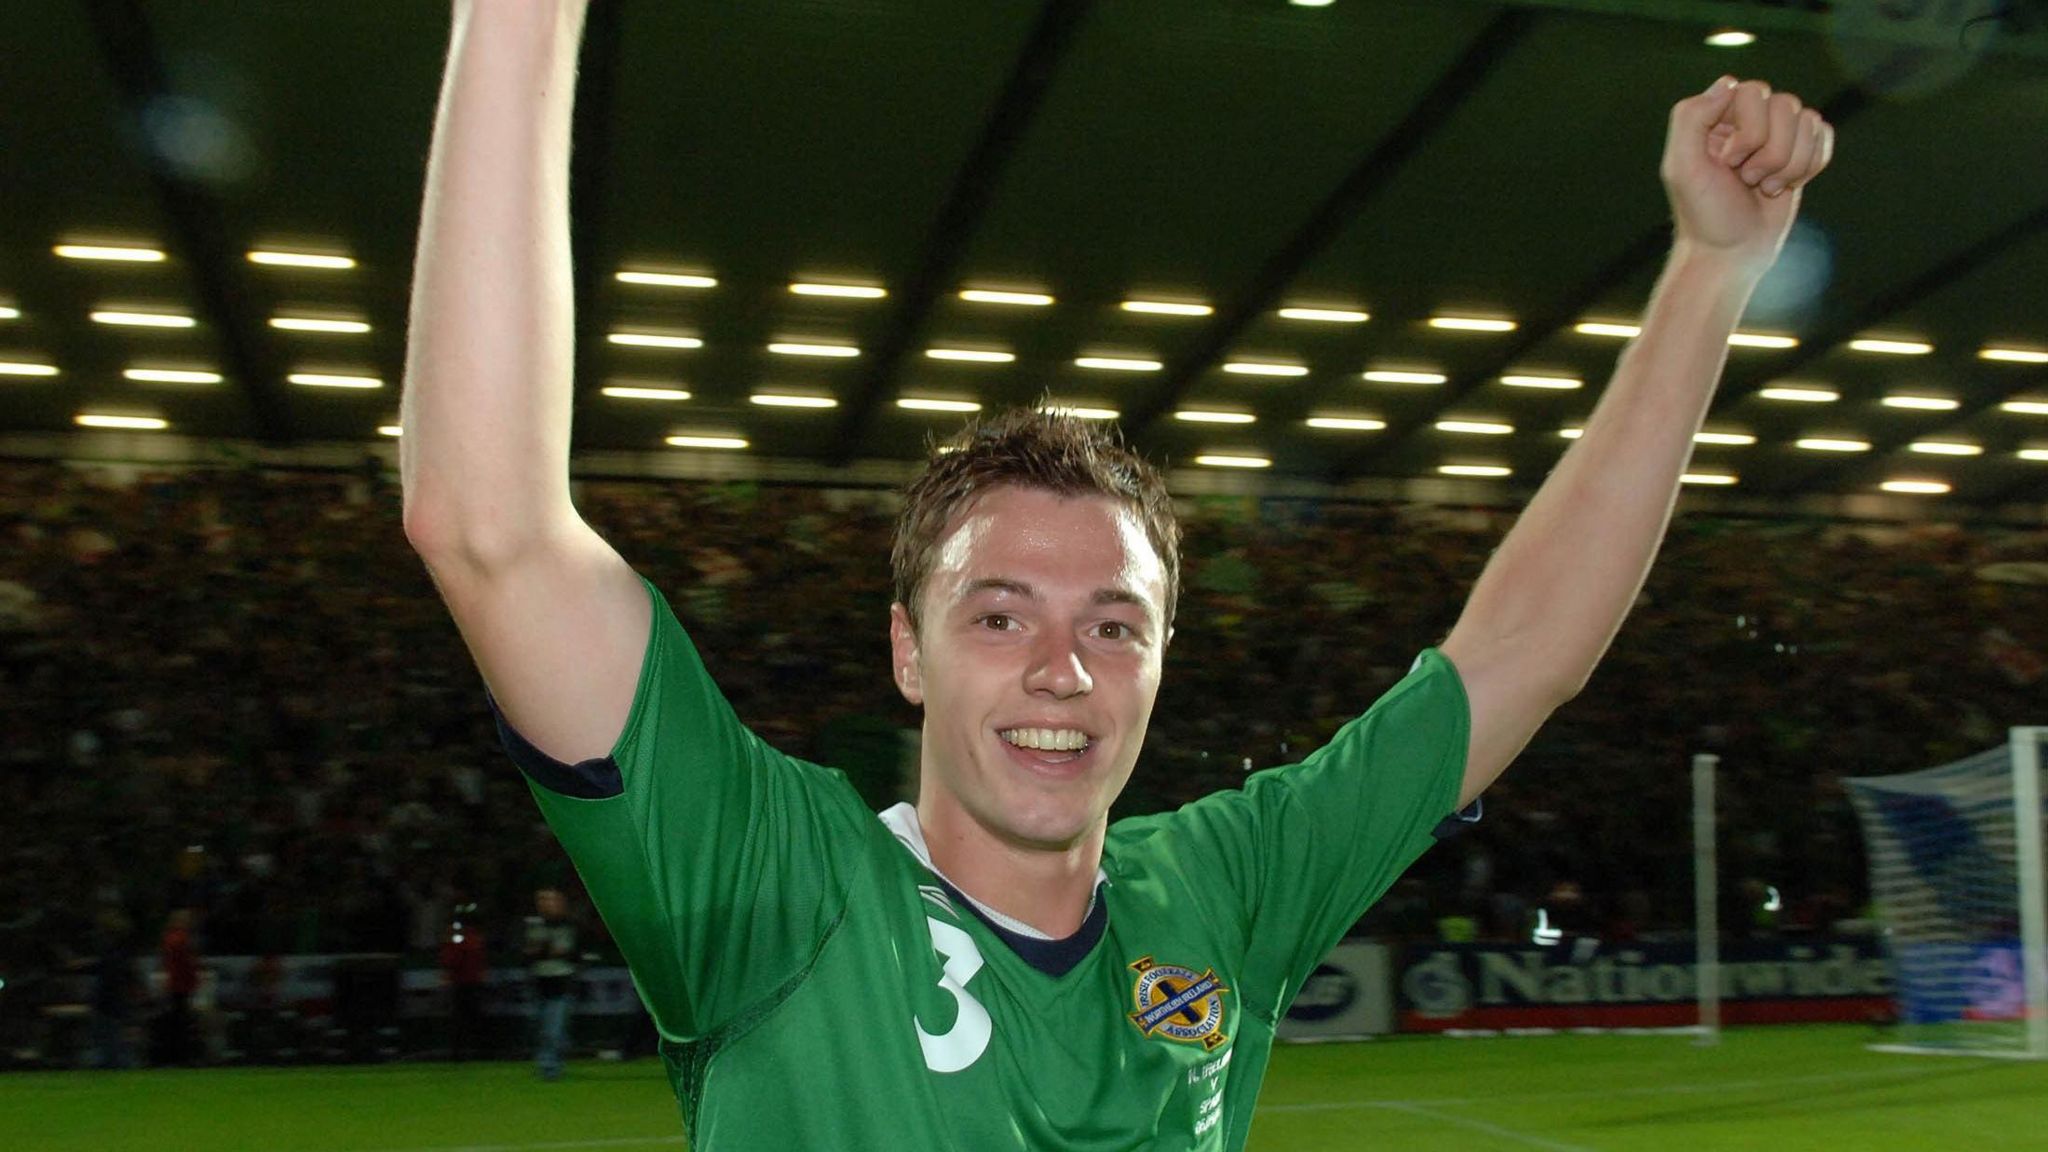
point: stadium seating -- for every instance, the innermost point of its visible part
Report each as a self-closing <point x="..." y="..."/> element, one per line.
<point x="236" y="691"/>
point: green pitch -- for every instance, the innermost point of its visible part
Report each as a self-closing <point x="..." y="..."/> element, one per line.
<point x="1781" y="1089"/>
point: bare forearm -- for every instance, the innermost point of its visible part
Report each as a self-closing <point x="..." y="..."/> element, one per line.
<point x="486" y="409"/>
<point x="1564" y="579"/>
<point x="1736" y="159"/>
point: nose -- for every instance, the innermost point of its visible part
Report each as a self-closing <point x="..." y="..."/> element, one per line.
<point x="1056" y="667"/>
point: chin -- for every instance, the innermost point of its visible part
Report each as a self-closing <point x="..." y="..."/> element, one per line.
<point x="1049" y="826"/>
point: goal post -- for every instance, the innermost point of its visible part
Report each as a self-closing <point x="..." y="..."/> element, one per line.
<point x="1706" y="897"/>
<point x="2026" y="745"/>
<point x="1957" y="876"/>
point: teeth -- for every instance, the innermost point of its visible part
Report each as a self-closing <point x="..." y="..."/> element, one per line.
<point x="1047" y="739"/>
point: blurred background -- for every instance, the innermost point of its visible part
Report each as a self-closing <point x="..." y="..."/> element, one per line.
<point x="1353" y="271"/>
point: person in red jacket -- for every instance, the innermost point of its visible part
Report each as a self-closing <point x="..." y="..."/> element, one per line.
<point x="463" y="973"/>
<point x="179" y="954"/>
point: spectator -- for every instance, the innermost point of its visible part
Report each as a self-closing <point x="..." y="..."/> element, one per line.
<point x="551" y="960"/>
<point x="263" y="1006"/>
<point x="308" y="715"/>
<point x="463" y="972"/>
<point x="177" y="1030"/>
<point x="116" y="989"/>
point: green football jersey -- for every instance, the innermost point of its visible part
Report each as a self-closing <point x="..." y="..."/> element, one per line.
<point x="818" y="985"/>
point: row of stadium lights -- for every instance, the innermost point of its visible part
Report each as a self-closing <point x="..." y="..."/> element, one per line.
<point x="1739" y="38"/>
<point x="1183" y="308"/>
<point x="1719" y="38"/>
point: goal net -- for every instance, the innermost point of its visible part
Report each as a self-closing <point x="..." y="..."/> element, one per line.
<point x="1957" y="876"/>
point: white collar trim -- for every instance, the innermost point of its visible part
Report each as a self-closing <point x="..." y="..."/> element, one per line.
<point x="901" y="820"/>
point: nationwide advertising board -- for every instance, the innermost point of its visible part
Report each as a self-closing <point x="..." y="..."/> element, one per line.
<point x="1585" y="983"/>
<point x="1345" y="997"/>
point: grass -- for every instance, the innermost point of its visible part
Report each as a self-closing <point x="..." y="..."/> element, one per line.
<point x="1769" y="1088"/>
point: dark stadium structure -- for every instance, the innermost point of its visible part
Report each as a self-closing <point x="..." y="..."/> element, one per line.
<point x="1407" y="159"/>
<point x="228" y="685"/>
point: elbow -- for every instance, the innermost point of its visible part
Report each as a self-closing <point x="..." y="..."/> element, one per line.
<point x="462" y="512"/>
<point x="423" y="529"/>
<point x="433" y="533"/>
<point x="1568" y="689"/>
<point x="1568" y="677"/>
<point x="445" y="541"/>
<point x="1540" y="671"/>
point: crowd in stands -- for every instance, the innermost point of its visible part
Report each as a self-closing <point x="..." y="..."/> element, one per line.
<point x="235" y="692"/>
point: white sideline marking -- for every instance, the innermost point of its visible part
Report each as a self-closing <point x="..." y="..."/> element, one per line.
<point x="1429" y="1108"/>
<point x="1483" y="1126"/>
<point x="1426" y="1108"/>
<point x="1587" y="1094"/>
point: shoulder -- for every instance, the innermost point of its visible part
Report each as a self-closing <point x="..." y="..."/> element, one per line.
<point x="1188" y="837"/>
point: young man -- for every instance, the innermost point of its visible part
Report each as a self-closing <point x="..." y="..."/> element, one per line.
<point x="994" y="967"/>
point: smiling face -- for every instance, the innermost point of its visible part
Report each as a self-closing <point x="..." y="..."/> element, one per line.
<point x="1036" y="659"/>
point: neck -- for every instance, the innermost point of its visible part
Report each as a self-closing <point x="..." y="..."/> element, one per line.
<point x="1047" y="887"/>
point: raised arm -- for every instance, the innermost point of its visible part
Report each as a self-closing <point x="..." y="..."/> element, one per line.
<point x="555" y="620"/>
<point x="1552" y="598"/>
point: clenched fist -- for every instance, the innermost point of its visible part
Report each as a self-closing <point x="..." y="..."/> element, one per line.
<point x="1735" y="159"/>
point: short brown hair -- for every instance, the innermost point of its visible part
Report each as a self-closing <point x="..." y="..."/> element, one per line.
<point x="1028" y="448"/>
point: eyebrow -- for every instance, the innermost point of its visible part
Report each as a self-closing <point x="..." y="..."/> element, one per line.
<point x="1109" y="595"/>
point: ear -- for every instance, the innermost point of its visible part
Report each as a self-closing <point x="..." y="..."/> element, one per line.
<point x="903" y="655"/>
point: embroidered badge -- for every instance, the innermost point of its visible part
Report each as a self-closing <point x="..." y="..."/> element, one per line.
<point x="1178" y="1003"/>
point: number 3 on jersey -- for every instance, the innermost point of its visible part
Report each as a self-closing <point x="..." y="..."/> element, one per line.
<point x="960" y="1047"/>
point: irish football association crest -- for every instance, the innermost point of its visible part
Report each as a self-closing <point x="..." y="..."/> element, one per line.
<point x="1178" y="1003"/>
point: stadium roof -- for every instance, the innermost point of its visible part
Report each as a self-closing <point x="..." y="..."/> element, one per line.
<point x="1405" y="159"/>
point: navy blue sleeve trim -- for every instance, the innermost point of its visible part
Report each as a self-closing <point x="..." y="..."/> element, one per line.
<point x="597" y="779"/>
<point x="1457" y="823"/>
